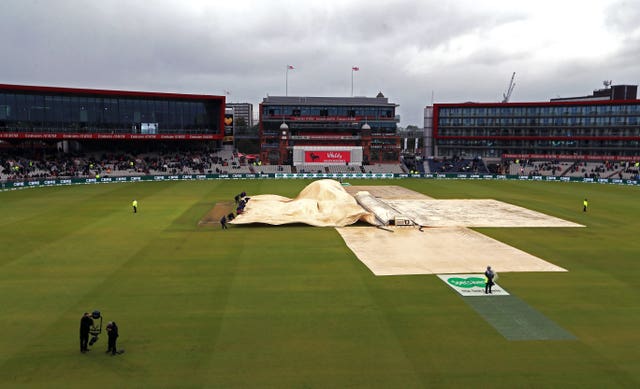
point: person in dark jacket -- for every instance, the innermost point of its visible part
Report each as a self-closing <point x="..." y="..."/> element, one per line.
<point x="223" y="222"/>
<point x="488" y="279"/>
<point x="112" y="333"/>
<point x="86" y="322"/>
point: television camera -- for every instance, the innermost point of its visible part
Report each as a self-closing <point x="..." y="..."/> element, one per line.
<point x="96" y="327"/>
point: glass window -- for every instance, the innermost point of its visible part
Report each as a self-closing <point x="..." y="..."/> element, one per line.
<point x="38" y="110"/>
<point x="635" y="108"/>
<point x="20" y="112"/>
<point x="4" y="114"/>
<point x="126" y="113"/>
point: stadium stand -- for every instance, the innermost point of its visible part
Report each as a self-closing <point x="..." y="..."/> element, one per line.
<point x="457" y="165"/>
<point x="272" y="169"/>
<point x="606" y="169"/>
<point x="383" y="168"/>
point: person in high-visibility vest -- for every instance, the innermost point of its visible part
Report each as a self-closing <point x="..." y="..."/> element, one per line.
<point x="135" y="206"/>
<point x="585" y="203"/>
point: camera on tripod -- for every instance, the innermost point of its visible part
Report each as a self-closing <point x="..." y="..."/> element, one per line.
<point x="96" y="327"/>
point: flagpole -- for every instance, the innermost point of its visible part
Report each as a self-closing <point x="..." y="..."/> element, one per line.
<point x="352" y="81"/>
<point x="353" y="69"/>
<point x="286" y="82"/>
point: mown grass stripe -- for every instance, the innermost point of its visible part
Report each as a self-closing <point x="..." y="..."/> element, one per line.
<point x="517" y="320"/>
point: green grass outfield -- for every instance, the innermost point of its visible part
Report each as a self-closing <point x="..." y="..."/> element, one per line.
<point x="291" y="306"/>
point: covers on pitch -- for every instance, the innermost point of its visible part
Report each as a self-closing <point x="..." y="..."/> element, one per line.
<point x="323" y="203"/>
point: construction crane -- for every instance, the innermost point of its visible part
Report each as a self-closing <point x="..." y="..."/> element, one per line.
<point x="507" y="95"/>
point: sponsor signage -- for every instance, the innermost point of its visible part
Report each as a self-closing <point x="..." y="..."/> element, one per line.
<point x="333" y="156"/>
<point x="325" y="137"/>
<point x="323" y="119"/>
<point x="471" y="285"/>
<point x="10" y="185"/>
<point x="573" y="157"/>
<point x="31" y="135"/>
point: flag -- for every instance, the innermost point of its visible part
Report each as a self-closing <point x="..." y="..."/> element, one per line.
<point x="290" y="67"/>
<point x="355" y="68"/>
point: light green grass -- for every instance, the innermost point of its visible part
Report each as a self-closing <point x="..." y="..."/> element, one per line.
<point x="291" y="306"/>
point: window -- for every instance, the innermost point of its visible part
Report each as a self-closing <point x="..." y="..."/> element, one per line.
<point x="324" y="112"/>
<point x="533" y="111"/>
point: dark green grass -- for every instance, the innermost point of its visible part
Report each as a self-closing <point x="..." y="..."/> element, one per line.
<point x="291" y="306"/>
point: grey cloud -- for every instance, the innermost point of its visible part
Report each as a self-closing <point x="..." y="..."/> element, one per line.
<point x="182" y="47"/>
<point x="622" y="16"/>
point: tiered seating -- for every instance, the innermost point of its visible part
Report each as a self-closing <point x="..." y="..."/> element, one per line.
<point x="343" y="169"/>
<point x="383" y="168"/>
<point x="272" y="169"/>
<point x="310" y="169"/>
<point x="457" y="165"/>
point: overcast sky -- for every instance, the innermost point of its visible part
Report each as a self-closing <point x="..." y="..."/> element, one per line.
<point x="454" y="50"/>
